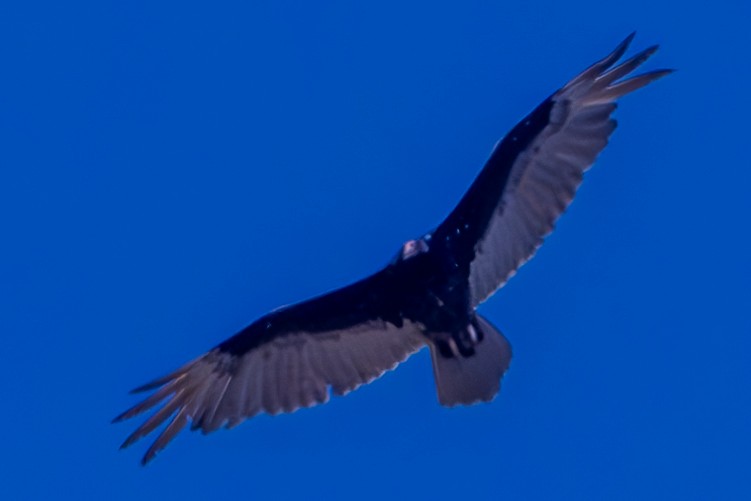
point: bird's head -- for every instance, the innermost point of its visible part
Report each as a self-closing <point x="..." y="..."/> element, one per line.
<point x="410" y="249"/>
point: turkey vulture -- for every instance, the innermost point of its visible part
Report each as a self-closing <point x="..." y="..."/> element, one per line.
<point x="426" y="296"/>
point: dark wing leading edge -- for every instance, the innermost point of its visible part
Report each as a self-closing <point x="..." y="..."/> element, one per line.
<point x="533" y="173"/>
<point x="286" y="360"/>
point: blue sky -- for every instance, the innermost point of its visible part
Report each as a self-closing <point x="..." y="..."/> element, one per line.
<point x="170" y="172"/>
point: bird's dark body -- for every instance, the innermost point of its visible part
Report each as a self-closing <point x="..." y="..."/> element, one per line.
<point x="426" y="296"/>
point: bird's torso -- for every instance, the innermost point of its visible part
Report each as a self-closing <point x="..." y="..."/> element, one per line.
<point x="431" y="289"/>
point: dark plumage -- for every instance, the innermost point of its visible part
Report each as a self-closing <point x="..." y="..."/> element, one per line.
<point x="427" y="295"/>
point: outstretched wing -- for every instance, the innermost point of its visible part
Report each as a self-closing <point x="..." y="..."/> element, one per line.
<point x="533" y="173"/>
<point x="285" y="360"/>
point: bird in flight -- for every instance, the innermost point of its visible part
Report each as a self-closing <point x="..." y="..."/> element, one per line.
<point x="428" y="293"/>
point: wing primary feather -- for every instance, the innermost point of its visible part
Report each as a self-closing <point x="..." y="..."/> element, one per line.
<point x="627" y="66"/>
<point x="150" y="402"/>
<point x="176" y="425"/>
<point x="629" y="85"/>
<point x="154" y="421"/>
<point x="215" y="420"/>
<point x="603" y="64"/>
<point x="156" y="383"/>
<point x="230" y="405"/>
